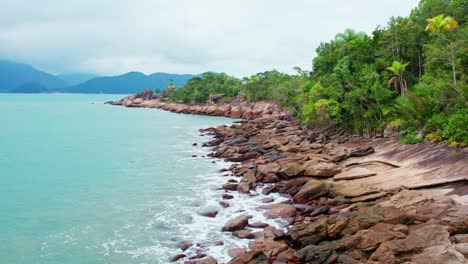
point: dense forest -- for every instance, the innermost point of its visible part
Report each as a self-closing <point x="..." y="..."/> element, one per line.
<point x="408" y="76"/>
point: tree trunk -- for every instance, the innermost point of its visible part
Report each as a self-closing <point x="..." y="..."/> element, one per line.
<point x="453" y="69"/>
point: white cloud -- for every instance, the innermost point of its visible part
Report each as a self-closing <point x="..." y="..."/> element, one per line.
<point x="239" y="37"/>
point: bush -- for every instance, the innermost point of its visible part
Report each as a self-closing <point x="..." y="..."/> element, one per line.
<point x="456" y="129"/>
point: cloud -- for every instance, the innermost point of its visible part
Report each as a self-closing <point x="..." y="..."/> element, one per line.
<point x="238" y="37"/>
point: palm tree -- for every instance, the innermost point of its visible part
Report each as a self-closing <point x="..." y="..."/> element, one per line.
<point x="398" y="81"/>
<point x="349" y="34"/>
<point x="439" y="24"/>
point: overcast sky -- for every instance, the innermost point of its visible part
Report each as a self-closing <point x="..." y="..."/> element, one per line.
<point x="239" y="37"/>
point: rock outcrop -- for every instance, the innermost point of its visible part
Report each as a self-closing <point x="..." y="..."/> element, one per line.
<point x="351" y="199"/>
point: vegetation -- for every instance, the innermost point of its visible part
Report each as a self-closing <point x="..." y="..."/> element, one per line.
<point x="422" y="58"/>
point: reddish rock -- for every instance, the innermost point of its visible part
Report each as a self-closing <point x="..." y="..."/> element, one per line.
<point x="184" y="245"/>
<point x="211" y="214"/>
<point x="312" y="190"/>
<point x="224" y="204"/>
<point x="227" y="196"/>
<point x="281" y="210"/>
<point x="258" y="225"/>
<point x="230" y="186"/>
<point x="237" y="223"/>
<point x="243" y="234"/>
<point x="320" y="169"/>
<point x="235" y="252"/>
<point x="178" y="257"/>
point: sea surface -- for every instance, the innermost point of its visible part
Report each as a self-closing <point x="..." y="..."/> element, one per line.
<point x="86" y="182"/>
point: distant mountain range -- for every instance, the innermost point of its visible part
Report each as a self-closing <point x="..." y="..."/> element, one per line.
<point x="22" y="78"/>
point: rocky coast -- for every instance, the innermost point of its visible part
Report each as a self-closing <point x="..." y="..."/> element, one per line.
<point x="350" y="199"/>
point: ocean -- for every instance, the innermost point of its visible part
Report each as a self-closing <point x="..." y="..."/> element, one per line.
<point x="86" y="182"/>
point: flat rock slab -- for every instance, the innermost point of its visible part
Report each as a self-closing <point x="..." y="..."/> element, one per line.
<point x="368" y="197"/>
<point x="354" y="173"/>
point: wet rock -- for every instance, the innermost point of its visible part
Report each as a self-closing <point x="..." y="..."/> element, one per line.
<point x="268" y="200"/>
<point x="224" y="204"/>
<point x="227" y="196"/>
<point x="184" y="245"/>
<point x="281" y="210"/>
<point x="208" y="260"/>
<point x="178" y="257"/>
<point x="237" y="223"/>
<point x="258" y="225"/>
<point x="235" y="252"/>
<point x="243" y="234"/>
<point x="230" y="186"/>
<point x="211" y="214"/>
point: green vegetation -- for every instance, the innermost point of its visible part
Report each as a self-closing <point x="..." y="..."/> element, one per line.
<point x="409" y="75"/>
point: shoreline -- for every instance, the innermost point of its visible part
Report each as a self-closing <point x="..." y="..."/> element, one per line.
<point x="349" y="201"/>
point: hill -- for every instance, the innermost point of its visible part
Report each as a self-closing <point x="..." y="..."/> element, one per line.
<point x="129" y="83"/>
<point x="13" y="75"/>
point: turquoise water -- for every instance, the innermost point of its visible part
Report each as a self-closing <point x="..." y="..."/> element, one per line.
<point x="84" y="182"/>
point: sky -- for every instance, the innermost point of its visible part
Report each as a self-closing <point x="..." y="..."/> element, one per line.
<point x="239" y="37"/>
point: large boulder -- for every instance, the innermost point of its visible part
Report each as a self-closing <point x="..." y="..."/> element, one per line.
<point x="314" y="168"/>
<point x="237" y="223"/>
<point x="313" y="189"/>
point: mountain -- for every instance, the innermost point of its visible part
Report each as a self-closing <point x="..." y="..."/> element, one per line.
<point x="32" y="87"/>
<point x="14" y="75"/>
<point x="129" y="83"/>
<point x="76" y="78"/>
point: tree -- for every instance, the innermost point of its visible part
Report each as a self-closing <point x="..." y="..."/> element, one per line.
<point x="398" y="80"/>
<point x="440" y="24"/>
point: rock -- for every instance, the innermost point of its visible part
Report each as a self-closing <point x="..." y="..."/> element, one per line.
<point x="354" y="173"/>
<point x="420" y="237"/>
<point x="184" y="245"/>
<point x="462" y="248"/>
<point x="371" y="238"/>
<point x="271" y="167"/>
<point x="235" y="252"/>
<point x="291" y="169"/>
<point x="337" y="153"/>
<point x="208" y="260"/>
<point x="315" y="254"/>
<point x="312" y="190"/>
<point x="227" y="196"/>
<point x="314" y="168"/>
<point x="177" y="257"/>
<point x="258" y="225"/>
<point x="211" y="214"/>
<point x="361" y="151"/>
<point x="268" y="200"/>
<point x="250" y="257"/>
<point x="237" y="223"/>
<point x="230" y="186"/>
<point x="224" y="204"/>
<point x="281" y="210"/>
<point x="368" y="197"/>
<point x="439" y="254"/>
<point x="288" y="256"/>
<point x="460" y="238"/>
<point x="309" y="233"/>
<point x="243" y="234"/>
